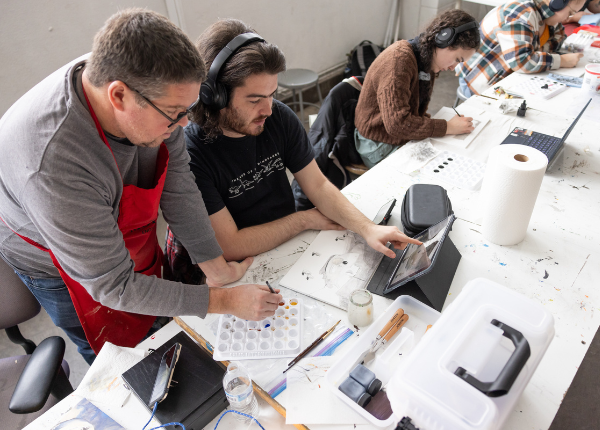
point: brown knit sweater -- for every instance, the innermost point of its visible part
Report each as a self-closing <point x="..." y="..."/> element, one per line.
<point x="388" y="106"/>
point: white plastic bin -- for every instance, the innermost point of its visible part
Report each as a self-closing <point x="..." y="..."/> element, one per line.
<point x="418" y="370"/>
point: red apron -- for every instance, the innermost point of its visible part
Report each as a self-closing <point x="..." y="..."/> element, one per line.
<point x="138" y="211"/>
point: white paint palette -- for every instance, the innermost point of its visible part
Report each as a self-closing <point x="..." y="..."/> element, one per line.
<point x="274" y="337"/>
<point x="463" y="172"/>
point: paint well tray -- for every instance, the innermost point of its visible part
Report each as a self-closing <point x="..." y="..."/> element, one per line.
<point x="463" y="172"/>
<point x="274" y="337"/>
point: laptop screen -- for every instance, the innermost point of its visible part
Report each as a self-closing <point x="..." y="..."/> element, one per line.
<point x="572" y="126"/>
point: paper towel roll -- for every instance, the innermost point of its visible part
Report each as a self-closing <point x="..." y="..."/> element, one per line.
<point x="510" y="187"/>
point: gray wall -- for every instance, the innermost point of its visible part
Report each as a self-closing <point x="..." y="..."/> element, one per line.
<point x="39" y="36"/>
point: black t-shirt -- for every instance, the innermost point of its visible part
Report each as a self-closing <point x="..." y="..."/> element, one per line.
<point x="247" y="174"/>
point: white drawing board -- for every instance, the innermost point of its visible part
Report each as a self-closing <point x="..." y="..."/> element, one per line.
<point x="480" y="119"/>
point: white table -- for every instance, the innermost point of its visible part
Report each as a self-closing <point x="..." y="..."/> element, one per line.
<point x="557" y="265"/>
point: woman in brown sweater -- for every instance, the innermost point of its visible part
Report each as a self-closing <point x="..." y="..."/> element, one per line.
<point x="392" y="107"/>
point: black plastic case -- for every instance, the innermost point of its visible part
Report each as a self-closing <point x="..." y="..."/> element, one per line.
<point x="423" y="206"/>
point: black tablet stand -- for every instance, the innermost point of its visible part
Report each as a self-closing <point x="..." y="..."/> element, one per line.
<point x="431" y="288"/>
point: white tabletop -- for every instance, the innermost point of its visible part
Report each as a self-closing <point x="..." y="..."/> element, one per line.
<point x="557" y="265"/>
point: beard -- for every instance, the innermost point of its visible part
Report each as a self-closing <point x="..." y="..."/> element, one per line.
<point x="232" y="120"/>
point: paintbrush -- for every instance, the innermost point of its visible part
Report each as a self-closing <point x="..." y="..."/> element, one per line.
<point x="311" y="347"/>
<point x="270" y="288"/>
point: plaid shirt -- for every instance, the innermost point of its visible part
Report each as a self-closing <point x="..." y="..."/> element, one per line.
<point x="177" y="265"/>
<point x="510" y="42"/>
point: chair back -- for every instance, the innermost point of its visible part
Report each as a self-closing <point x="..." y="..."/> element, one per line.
<point x="17" y="304"/>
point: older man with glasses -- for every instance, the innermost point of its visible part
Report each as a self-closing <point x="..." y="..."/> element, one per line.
<point x="85" y="164"/>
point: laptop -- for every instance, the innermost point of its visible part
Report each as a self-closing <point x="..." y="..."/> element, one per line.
<point x="549" y="145"/>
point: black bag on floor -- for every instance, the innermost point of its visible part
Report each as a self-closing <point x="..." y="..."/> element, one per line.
<point x="361" y="57"/>
<point x="423" y="206"/>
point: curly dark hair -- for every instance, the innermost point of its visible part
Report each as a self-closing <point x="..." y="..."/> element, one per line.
<point x="258" y="57"/>
<point x="469" y="39"/>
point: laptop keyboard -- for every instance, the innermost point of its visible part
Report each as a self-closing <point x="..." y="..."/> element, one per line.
<point x="542" y="142"/>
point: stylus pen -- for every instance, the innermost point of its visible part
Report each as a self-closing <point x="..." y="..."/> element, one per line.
<point x="270" y="288"/>
<point x="456" y="112"/>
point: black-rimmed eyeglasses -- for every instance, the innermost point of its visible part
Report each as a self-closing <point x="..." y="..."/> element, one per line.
<point x="180" y="115"/>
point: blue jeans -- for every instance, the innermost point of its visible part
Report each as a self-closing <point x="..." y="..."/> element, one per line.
<point x="53" y="295"/>
<point x="464" y="88"/>
<point x="371" y="152"/>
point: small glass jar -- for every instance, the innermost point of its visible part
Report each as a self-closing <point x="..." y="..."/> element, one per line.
<point x="360" y="308"/>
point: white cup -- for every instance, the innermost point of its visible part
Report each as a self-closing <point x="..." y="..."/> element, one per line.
<point x="591" y="79"/>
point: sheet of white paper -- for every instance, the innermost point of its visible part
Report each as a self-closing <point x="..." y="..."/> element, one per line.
<point x="310" y="400"/>
<point x="102" y="384"/>
<point x="413" y="155"/>
<point x="480" y="119"/>
<point x="335" y="264"/>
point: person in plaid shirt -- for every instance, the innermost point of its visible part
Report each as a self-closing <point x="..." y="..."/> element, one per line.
<point x="521" y="36"/>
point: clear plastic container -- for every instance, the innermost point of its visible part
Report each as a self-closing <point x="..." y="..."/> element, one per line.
<point x="239" y="392"/>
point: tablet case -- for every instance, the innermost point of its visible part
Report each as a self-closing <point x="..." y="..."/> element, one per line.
<point x="431" y="288"/>
<point x="423" y="206"/>
<point x="197" y="397"/>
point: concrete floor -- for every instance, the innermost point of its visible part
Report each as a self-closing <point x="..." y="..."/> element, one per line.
<point x="42" y="327"/>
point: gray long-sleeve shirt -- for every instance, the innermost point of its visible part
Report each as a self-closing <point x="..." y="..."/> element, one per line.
<point x="60" y="186"/>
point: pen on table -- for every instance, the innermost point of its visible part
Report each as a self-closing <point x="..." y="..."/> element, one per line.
<point x="310" y="348"/>
<point x="270" y="288"/>
<point x="456" y="112"/>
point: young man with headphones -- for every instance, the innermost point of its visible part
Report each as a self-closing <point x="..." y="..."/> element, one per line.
<point x="241" y="140"/>
<point x="392" y="107"/>
<point x="520" y="36"/>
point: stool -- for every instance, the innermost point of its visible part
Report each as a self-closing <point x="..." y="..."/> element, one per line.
<point x="460" y="97"/>
<point x="300" y="79"/>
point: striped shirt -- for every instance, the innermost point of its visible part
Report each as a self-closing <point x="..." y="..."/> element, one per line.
<point x="510" y="42"/>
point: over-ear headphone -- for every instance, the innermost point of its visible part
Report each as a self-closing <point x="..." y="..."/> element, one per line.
<point x="212" y="93"/>
<point x="558" y="5"/>
<point x="446" y="36"/>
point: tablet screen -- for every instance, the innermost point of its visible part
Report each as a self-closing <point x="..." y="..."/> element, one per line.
<point x="417" y="258"/>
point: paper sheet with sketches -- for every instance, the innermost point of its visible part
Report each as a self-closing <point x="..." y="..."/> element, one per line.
<point x="413" y="155"/>
<point x="335" y="264"/>
<point x="480" y="119"/>
<point x="310" y="401"/>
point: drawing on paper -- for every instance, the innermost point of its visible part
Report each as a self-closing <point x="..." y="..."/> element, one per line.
<point x="310" y="374"/>
<point x="272" y="265"/>
<point x="334" y="265"/>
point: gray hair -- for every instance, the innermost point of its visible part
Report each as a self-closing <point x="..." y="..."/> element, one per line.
<point x="146" y="51"/>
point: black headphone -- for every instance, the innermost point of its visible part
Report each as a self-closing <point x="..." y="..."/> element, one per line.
<point x="212" y="93"/>
<point x="558" y="5"/>
<point x="446" y="36"/>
